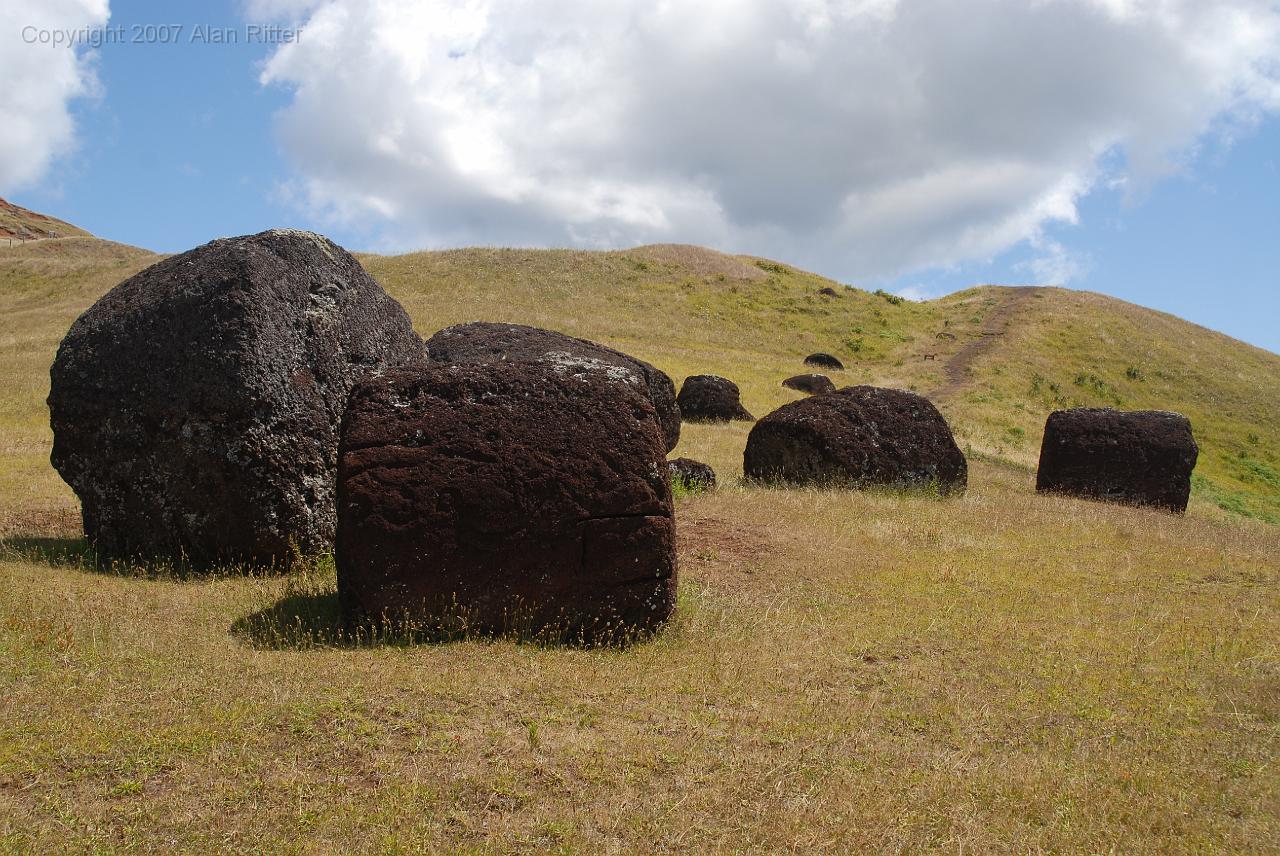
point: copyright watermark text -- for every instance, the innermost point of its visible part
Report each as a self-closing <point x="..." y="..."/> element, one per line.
<point x="160" y="34"/>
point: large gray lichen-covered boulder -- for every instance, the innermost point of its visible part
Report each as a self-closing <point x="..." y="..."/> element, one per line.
<point x="859" y="436"/>
<point x="196" y="406"/>
<point x="1142" y="457"/>
<point x="485" y="342"/>
<point x="522" y="496"/>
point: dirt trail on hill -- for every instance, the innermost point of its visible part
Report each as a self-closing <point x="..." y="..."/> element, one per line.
<point x="994" y="327"/>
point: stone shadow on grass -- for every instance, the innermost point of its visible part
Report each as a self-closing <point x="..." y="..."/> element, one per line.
<point x="77" y="554"/>
<point x="314" y="620"/>
<point x="54" y="552"/>
<point x="299" y="622"/>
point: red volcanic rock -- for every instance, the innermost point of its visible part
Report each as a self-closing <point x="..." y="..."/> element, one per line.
<point x="520" y="496"/>
<point x="484" y="342"/>
<point x="1142" y="457"/>
<point x="711" y="398"/>
<point x="814" y="384"/>
<point x="195" y="407"/>
<point x="858" y="436"/>
<point x="693" y="475"/>
<point x="826" y="361"/>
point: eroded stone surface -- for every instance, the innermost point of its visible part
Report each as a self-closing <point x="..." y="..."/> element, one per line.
<point x="195" y="407"/>
<point x="857" y="436"/>
<point x="694" y="475"/>
<point x="814" y="384"/>
<point x="826" y="361"/>
<point x="520" y="496"/>
<point x="1142" y="457"/>
<point x="711" y="398"/>
<point x="485" y="342"/>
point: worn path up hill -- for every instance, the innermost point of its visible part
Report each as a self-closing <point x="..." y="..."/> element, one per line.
<point x="997" y="323"/>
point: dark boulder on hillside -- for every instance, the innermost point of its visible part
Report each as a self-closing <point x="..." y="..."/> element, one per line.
<point x="1140" y="457"/>
<point x="858" y="436"/>
<point x="692" y="475"/>
<point x="484" y="342"/>
<point x="195" y="407"/>
<point x="826" y="361"/>
<point x="528" y="497"/>
<point x="814" y="384"/>
<point x="711" y="398"/>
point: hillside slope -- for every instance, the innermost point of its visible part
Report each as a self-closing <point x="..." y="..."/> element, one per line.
<point x="24" y="225"/>
<point x="847" y="671"/>
<point x="997" y="360"/>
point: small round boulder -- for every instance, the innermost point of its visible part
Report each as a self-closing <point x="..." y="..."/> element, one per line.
<point x="814" y="384"/>
<point x="826" y="361"/>
<point x="485" y="342"/>
<point x="1141" y="457"/>
<point x="711" y="398"/>
<point x="859" y="436"/>
<point x="691" y="475"/>
<point x="524" y="497"/>
<point x="195" y="407"/>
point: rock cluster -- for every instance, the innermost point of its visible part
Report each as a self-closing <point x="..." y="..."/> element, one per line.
<point x="711" y="398"/>
<point x="858" y="436"/>
<point x="195" y="407"/>
<point x="1135" y="457"/>
<point x="519" y="496"/>
<point x="262" y="397"/>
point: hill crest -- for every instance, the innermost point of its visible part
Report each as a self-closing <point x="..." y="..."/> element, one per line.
<point x="18" y="223"/>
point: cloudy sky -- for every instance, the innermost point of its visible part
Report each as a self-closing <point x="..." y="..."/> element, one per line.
<point x="1125" y="146"/>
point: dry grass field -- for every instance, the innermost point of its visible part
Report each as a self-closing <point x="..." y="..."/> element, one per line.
<point x="846" y="672"/>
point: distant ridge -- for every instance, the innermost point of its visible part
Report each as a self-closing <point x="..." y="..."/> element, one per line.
<point x="19" y="223"/>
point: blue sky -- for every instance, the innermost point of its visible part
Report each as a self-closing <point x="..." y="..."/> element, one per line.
<point x="184" y="142"/>
<point x="1203" y="245"/>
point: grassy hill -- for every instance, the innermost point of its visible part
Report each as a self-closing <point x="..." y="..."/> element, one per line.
<point x="693" y="311"/>
<point x="846" y="671"/>
<point x="20" y="224"/>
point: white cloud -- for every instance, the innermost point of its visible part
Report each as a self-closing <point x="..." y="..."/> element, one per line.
<point x="38" y="79"/>
<point x="862" y="138"/>
<point x="916" y="292"/>
<point x="1055" y="264"/>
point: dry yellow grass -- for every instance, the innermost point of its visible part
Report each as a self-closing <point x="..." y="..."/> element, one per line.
<point x="846" y="671"/>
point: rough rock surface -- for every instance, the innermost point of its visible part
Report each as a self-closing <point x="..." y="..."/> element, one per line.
<point x="857" y="436"/>
<point x="520" y="496"/>
<point x="826" y="361"/>
<point x="814" y="384"/>
<point x="694" y="475"/>
<point x="711" y="398"/>
<point x="483" y="342"/>
<point x="1140" y="457"/>
<point x="195" y="407"/>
